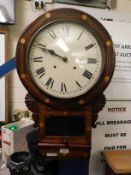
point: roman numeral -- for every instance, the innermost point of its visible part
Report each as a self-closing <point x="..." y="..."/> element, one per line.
<point x="41" y="72"/>
<point x="91" y="60"/>
<point x="50" y="82"/>
<point x="37" y="59"/>
<point x="42" y="45"/>
<point x="89" y="46"/>
<point x="63" y="88"/>
<point x="87" y="74"/>
<point x="78" y="84"/>
<point x="65" y="29"/>
<point x="80" y="35"/>
<point x="52" y="34"/>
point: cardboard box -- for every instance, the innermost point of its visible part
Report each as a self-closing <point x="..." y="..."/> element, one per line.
<point x="15" y="140"/>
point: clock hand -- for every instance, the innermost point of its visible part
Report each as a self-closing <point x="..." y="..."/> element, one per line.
<point x="52" y="52"/>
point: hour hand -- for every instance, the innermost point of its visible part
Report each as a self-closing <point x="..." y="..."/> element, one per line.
<point x="52" y="52"/>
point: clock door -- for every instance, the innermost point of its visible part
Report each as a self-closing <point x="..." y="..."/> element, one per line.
<point x="68" y="130"/>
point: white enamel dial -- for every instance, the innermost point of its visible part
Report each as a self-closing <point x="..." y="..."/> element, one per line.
<point x="65" y="59"/>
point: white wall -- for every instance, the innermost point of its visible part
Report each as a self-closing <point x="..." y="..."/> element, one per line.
<point x="24" y="15"/>
<point x="124" y="5"/>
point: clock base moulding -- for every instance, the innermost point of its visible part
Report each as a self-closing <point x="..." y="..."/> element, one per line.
<point x="55" y="141"/>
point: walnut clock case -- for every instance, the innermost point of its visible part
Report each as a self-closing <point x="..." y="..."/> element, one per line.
<point x="65" y="60"/>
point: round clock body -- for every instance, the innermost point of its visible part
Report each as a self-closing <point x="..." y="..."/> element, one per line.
<point x="65" y="58"/>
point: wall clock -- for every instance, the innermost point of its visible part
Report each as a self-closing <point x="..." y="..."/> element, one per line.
<point x="65" y="59"/>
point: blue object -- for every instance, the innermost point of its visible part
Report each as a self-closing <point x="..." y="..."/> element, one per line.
<point x="7" y="67"/>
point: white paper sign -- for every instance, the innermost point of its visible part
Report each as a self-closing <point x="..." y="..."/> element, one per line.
<point x="120" y="86"/>
<point x="2" y="81"/>
<point x="113" y="132"/>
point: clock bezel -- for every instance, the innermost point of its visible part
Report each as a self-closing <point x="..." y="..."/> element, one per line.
<point x="66" y="14"/>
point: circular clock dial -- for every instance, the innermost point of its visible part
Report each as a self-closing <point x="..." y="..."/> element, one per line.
<point x="65" y="59"/>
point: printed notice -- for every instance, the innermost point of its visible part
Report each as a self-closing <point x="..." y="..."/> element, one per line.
<point x="112" y="132"/>
<point x="120" y="85"/>
<point x="123" y="63"/>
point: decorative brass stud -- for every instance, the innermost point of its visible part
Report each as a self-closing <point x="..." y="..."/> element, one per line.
<point x="23" y="76"/>
<point x="81" y="102"/>
<point x="48" y="15"/>
<point x="85" y="155"/>
<point x="47" y="100"/>
<point x="22" y="41"/>
<point x="108" y="43"/>
<point x="84" y="17"/>
<point x="41" y="124"/>
<point x="65" y="112"/>
<point x="107" y="78"/>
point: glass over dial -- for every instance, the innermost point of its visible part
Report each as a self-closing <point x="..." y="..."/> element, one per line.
<point x="65" y="59"/>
